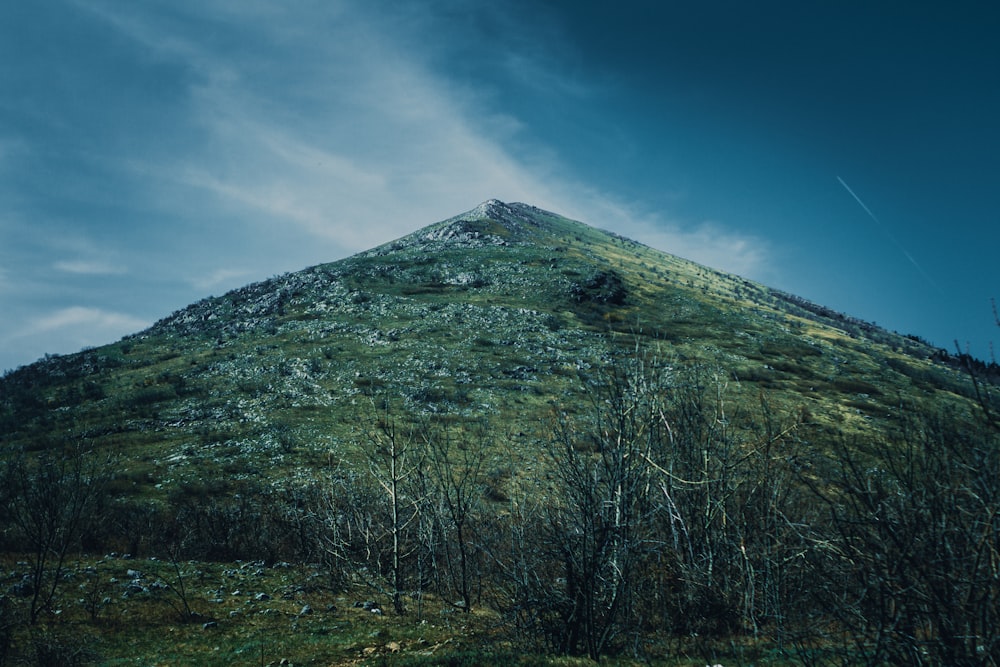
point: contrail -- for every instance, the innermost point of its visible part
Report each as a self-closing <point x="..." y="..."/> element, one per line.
<point x="885" y="230"/>
<point x="858" y="199"/>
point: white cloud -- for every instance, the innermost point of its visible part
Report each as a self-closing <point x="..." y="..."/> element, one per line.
<point x="223" y="277"/>
<point x="712" y="245"/>
<point x="63" y="331"/>
<point x="90" y="268"/>
<point x="92" y="324"/>
<point x="392" y="149"/>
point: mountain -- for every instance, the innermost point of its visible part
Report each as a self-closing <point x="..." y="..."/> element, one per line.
<point x="497" y="311"/>
<point x="517" y="435"/>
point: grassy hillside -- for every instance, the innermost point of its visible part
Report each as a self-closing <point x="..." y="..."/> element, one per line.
<point x="477" y="373"/>
<point x="466" y="317"/>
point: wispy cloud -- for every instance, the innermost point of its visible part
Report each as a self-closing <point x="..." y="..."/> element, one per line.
<point x="64" y="330"/>
<point x="291" y="135"/>
<point x="342" y="134"/>
<point x="89" y="318"/>
<point x="219" y="277"/>
<point x="713" y="245"/>
<point x="90" y="268"/>
<point x="709" y="243"/>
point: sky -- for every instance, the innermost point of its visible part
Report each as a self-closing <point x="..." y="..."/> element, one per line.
<point x="156" y="152"/>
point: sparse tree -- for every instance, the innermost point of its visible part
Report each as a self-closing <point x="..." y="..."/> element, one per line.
<point x="394" y="459"/>
<point x="663" y="510"/>
<point x="345" y="520"/>
<point x="726" y="505"/>
<point x="455" y="465"/>
<point x="910" y="566"/>
<point x="51" y="498"/>
<point x="600" y="522"/>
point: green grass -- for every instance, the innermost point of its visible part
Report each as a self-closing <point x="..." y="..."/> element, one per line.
<point x="121" y="624"/>
<point x="99" y="620"/>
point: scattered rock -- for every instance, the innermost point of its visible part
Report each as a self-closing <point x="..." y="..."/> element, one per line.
<point x="24" y="588"/>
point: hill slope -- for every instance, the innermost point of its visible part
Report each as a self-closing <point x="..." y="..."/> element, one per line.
<point x="575" y="443"/>
<point x="495" y="311"/>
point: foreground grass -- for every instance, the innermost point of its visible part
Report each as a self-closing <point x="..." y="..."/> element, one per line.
<point x="117" y="611"/>
<point x="122" y="611"/>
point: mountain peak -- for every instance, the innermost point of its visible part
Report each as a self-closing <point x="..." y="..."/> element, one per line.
<point x="511" y="216"/>
<point x="491" y="209"/>
<point x="492" y="222"/>
<point x="488" y="208"/>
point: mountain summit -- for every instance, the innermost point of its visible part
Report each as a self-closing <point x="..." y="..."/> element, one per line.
<point x="491" y="223"/>
<point x="510" y="217"/>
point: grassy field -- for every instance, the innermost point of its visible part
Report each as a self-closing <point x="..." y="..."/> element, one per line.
<point x="121" y="611"/>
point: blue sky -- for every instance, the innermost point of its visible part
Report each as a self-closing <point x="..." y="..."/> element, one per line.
<point x="153" y="153"/>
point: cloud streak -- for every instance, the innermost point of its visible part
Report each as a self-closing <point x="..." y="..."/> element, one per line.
<point x="89" y="268"/>
<point x="89" y="318"/>
<point x="360" y="141"/>
<point x="66" y="329"/>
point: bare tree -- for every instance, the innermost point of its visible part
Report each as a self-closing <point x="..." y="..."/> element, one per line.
<point x="600" y="520"/>
<point x="661" y="509"/>
<point x="910" y="568"/>
<point x="394" y="459"/>
<point x="343" y="520"/>
<point x="726" y="513"/>
<point x="51" y="498"/>
<point x="456" y="466"/>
